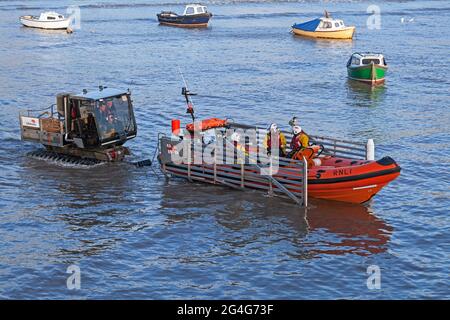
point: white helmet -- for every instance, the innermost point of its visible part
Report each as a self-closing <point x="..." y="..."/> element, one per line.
<point x="296" y="129"/>
<point x="273" y="127"/>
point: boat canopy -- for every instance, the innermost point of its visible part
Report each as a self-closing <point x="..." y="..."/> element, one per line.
<point x="321" y="24"/>
<point x="192" y="9"/>
<point x="308" y="26"/>
<point x="50" y="15"/>
<point x="361" y="59"/>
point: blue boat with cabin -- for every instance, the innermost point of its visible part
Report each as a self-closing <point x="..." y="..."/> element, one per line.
<point x="194" y="16"/>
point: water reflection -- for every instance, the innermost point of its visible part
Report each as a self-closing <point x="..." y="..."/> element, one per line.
<point x="359" y="231"/>
<point x="364" y="95"/>
<point x="91" y="206"/>
<point x="326" y="227"/>
<point x="322" y="43"/>
<point x="44" y="32"/>
<point x="85" y="187"/>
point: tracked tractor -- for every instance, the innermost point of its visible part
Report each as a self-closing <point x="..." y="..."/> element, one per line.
<point x="89" y="127"/>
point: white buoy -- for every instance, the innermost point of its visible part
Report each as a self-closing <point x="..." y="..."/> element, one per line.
<point x="317" y="162"/>
<point x="370" y="150"/>
<point x="69" y="30"/>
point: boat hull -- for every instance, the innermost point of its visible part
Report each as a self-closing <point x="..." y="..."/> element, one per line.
<point x="372" y="74"/>
<point x="28" y="21"/>
<point x="353" y="181"/>
<point x="346" y="33"/>
<point x="191" y="21"/>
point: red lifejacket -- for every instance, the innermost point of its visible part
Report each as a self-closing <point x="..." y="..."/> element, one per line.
<point x="296" y="142"/>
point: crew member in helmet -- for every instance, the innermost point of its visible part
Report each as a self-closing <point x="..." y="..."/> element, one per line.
<point x="300" y="140"/>
<point x="274" y="133"/>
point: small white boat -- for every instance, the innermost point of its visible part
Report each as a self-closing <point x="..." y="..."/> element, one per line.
<point x="47" y="20"/>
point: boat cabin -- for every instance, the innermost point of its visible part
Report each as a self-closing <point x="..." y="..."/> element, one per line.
<point x="329" y="24"/>
<point x="192" y="9"/>
<point x="364" y="59"/>
<point x="51" y="16"/>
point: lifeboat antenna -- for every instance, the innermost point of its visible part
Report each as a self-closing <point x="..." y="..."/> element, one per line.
<point x="187" y="95"/>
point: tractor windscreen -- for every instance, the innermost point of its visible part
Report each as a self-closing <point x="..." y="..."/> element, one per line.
<point x="115" y="118"/>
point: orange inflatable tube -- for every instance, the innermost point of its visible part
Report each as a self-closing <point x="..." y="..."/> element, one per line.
<point x="348" y="180"/>
<point x="207" y="124"/>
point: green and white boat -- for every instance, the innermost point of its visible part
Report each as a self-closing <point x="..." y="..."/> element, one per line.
<point x="367" y="67"/>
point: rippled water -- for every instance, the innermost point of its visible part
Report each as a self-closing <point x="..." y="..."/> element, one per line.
<point x="135" y="235"/>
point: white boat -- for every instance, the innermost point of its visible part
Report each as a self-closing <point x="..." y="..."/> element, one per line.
<point x="47" y="20"/>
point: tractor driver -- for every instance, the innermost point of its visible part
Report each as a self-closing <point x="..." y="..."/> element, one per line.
<point x="105" y="119"/>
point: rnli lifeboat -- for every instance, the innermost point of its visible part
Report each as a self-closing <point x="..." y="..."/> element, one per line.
<point x="222" y="152"/>
<point x="344" y="179"/>
<point x="329" y="177"/>
<point x="349" y="180"/>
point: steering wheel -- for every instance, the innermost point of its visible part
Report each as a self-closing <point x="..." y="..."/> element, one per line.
<point x="321" y="150"/>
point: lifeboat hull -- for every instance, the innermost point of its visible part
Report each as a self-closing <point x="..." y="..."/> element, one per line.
<point x="355" y="181"/>
<point x="338" y="179"/>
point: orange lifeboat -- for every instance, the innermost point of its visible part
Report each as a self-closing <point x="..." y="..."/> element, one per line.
<point x="329" y="177"/>
<point x="349" y="180"/>
<point x="344" y="179"/>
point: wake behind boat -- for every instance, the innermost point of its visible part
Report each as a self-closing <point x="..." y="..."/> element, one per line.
<point x="194" y="16"/>
<point x="47" y="20"/>
<point x="325" y="27"/>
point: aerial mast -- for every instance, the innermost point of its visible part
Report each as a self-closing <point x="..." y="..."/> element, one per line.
<point x="187" y="95"/>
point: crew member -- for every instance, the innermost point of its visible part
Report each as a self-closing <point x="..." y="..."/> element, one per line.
<point x="300" y="140"/>
<point x="274" y="133"/>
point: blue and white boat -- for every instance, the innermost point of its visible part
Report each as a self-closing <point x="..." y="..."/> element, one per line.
<point x="194" y="16"/>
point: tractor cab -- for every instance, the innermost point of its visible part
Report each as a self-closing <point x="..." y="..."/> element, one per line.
<point x="98" y="118"/>
<point x="92" y="124"/>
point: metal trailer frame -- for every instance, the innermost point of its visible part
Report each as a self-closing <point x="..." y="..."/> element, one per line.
<point x="333" y="147"/>
<point x="38" y="133"/>
<point x="291" y="182"/>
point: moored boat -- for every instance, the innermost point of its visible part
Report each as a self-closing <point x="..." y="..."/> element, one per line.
<point x="47" y="20"/>
<point x="367" y="67"/>
<point x="324" y="27"/>
<point x="194" y="16"/>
